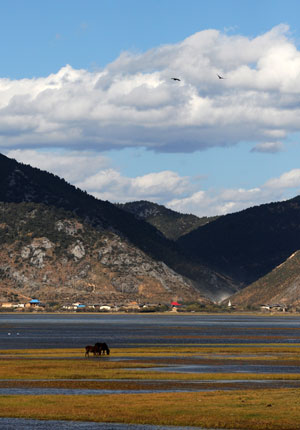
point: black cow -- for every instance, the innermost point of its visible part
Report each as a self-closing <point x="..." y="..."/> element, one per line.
<point x="102" y="347"/>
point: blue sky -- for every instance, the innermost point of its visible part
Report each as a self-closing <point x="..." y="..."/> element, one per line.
<point x="41" y="37"/>
<point x="86" y="93"/>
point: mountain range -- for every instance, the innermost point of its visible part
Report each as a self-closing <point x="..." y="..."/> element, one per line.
<point x="60" y="243"/>
<point x="21" y="184"/>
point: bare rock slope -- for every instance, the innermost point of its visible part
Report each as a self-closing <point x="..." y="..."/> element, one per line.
<point x="280" y="286"/>
<point x="21" y="183"/>
<point x="55" y="256"/>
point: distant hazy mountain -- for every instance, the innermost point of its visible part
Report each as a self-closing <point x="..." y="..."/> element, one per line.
<point x="171" y="223"/>
<point x="280" y="286"/>
<point x="249" y="244"/>
<point x="21" y="183"/>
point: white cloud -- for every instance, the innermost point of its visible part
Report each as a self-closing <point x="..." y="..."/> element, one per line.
<point x="73" y="166"/>
<point x="287" y="180"/>
<point x="221" y="202"/>
<point x="133" y="101"/>
<point x="111" y="185"/>
<point x="268" y="147"/>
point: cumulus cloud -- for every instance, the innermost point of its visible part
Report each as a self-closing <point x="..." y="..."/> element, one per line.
<point x="111" y="185"/>
<point x="73" y="166"/>
<point x="222" y="202"/>
<point x="287" y="180"/>
<point x="209" y="203"/>
<point x="133" y="102"/>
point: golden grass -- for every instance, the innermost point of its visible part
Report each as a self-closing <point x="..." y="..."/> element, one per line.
<point x="255" y="410"/>
<point x="260" y="409"/>
<point x="65" y="369"/>
<point x="35" y="369"/>
<point x="47" y="353"/>
<point x="255" y="350"/>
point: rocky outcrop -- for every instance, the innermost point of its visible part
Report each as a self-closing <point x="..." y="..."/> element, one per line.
<point x="21" y="183"/>
<point x="54" y="256"/>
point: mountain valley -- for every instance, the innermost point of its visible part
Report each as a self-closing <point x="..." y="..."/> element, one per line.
<point x="61" y="244"/>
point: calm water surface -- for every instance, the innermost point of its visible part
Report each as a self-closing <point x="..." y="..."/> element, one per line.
<point x="54" y="331"/>
<point x="13" y="423"/>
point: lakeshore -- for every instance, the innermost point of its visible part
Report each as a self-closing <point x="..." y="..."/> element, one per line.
<point x="205" y="371"/>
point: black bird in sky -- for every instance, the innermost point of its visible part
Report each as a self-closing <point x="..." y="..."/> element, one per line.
<point x="220" y="77"/>
<point x="176" y="79"/>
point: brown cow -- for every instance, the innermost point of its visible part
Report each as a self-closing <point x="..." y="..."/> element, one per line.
<point x="90" y="348"/>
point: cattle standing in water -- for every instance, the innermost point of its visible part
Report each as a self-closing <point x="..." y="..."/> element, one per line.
<point x="102" y="347"/>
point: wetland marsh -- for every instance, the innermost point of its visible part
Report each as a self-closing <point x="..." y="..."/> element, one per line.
<point x="202" y="371"/>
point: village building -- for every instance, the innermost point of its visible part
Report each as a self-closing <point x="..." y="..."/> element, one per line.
<point x="175" y="305"/>
<point x="11" y="305"/>
<point x="7" y="305"/>
<point x="274" y="308"/>
<point x="105" y="308"/>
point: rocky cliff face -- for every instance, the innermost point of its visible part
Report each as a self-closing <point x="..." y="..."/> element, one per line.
<point x="55" y="256"/>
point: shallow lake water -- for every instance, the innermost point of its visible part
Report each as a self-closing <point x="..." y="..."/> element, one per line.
<point x="228" y="368"/>
<point x="13" y="423"/>
<point x="77" y="330"/>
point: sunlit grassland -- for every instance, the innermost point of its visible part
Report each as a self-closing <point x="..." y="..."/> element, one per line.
<point x="256" y="350"/>
<point x="96" y="369"/>
<point x="71" y="364"/>
<point x="259" y="409"/>
<point x="256" y="410"/>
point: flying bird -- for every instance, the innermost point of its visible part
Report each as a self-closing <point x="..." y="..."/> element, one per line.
<point x="220" y="77"/>
<point x="176" y="79"/>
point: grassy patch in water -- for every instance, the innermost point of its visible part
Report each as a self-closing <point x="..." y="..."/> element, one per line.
<point x="103" y="369"/>
<point x="51" y="364"/>
<point x="65" y="369"/>
<point x="251" y="409"/>
<point x="254" y="409"/>
<point x="275" y="351"/>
